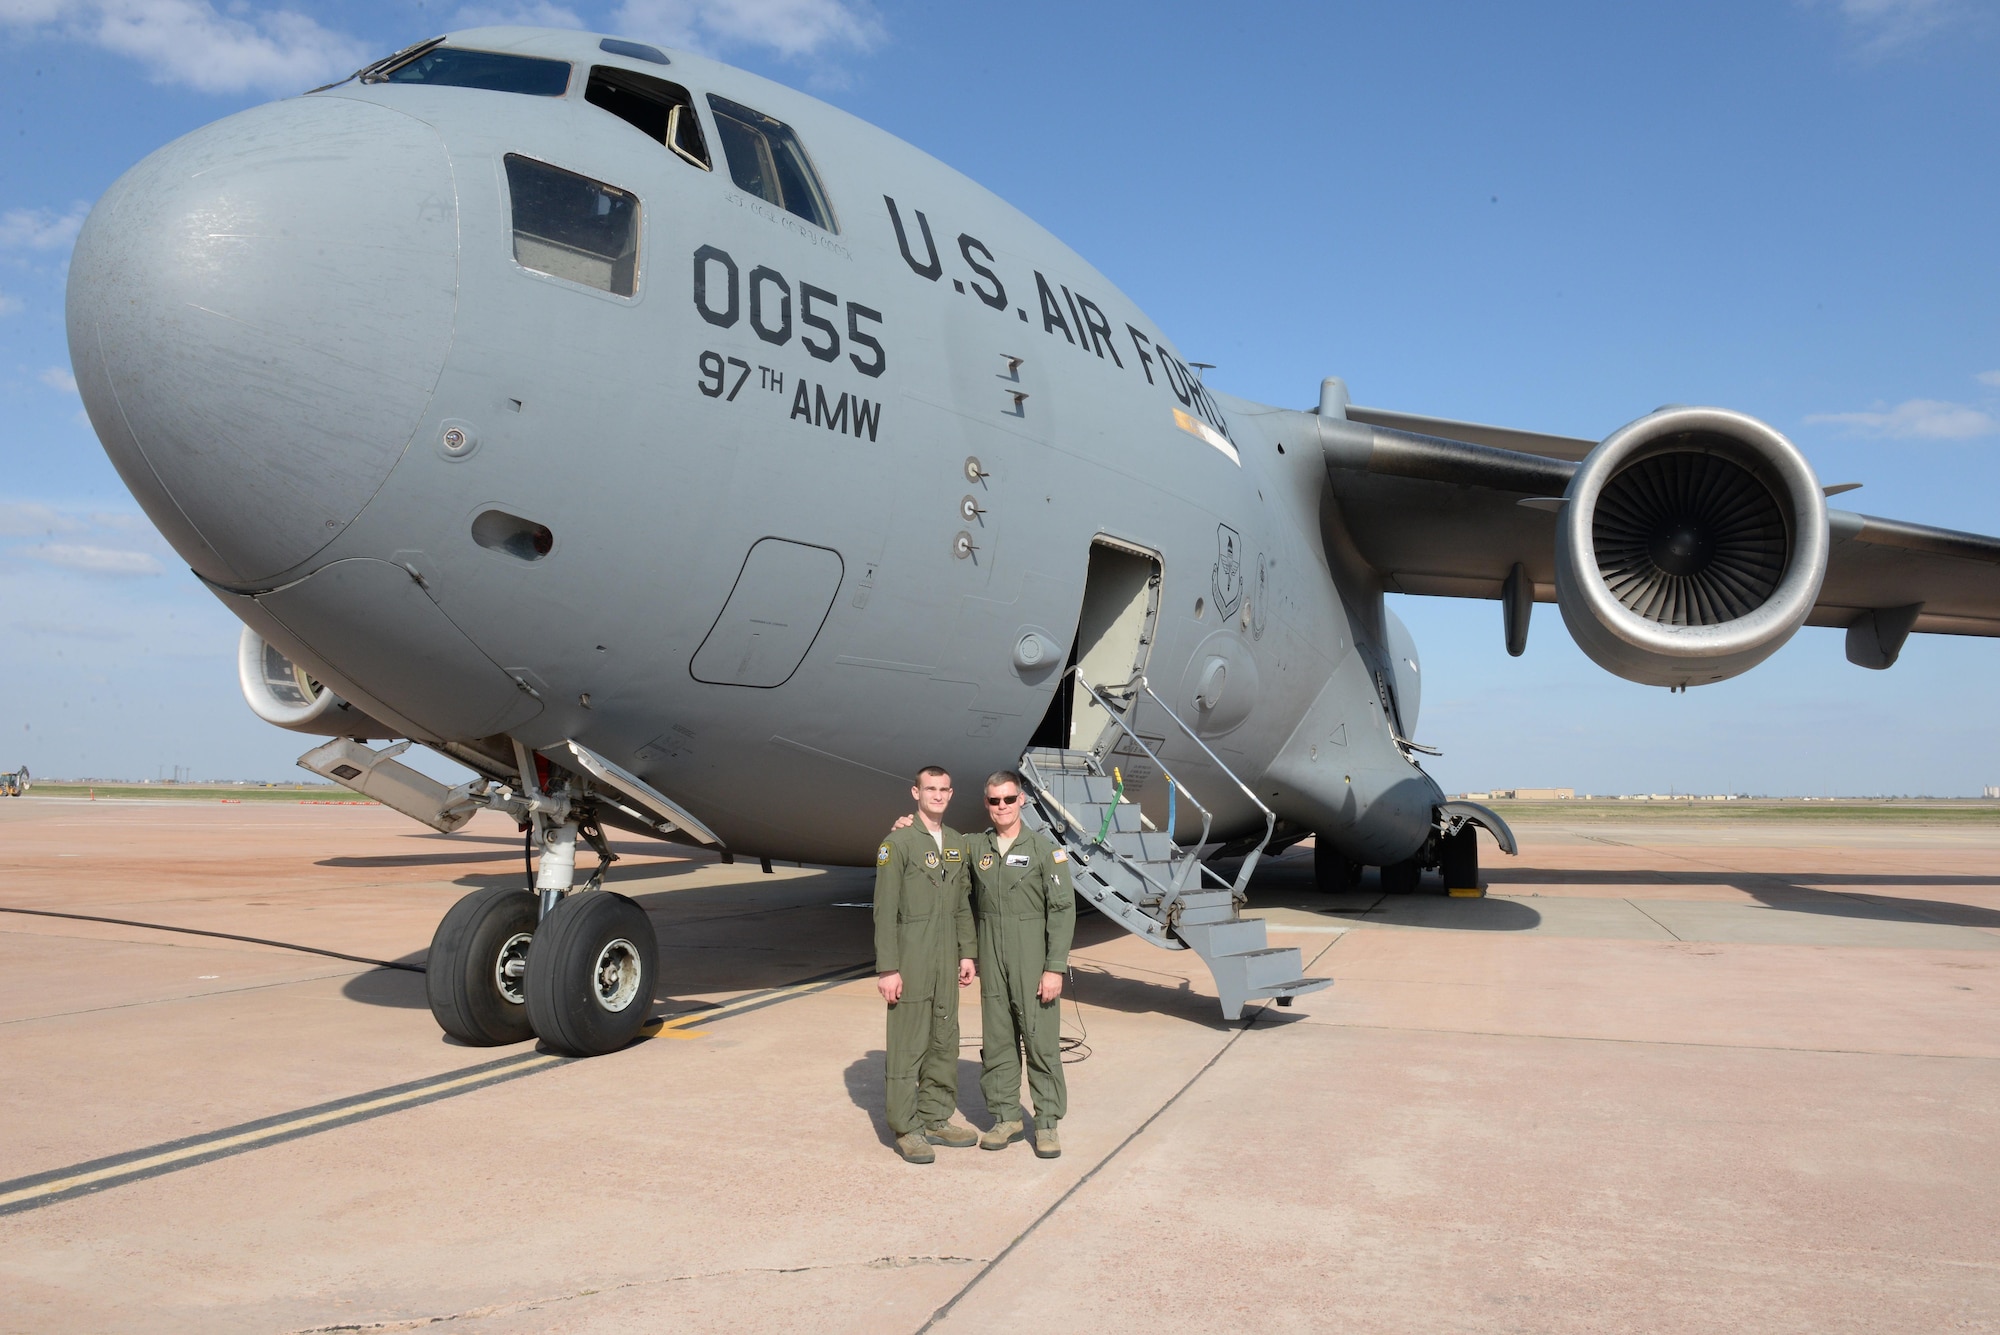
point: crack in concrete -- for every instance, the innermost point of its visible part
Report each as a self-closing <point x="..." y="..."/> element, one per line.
<point x="530" y="1304"/>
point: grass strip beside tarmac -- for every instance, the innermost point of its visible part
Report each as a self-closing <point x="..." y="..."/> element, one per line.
<point x="199" y="792"/>
<point x="1909" y="811"/>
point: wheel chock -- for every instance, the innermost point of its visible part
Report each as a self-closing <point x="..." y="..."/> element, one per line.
<point x="1474" y="892"/>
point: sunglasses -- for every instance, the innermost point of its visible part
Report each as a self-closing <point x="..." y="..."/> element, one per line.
<point x="1003" y="801"/>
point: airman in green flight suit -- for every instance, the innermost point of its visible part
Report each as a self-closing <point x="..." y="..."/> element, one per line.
<point x="1027" y="915"/>
<point x="924" y="943"/>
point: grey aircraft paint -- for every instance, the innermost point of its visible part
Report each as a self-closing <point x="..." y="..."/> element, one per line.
<point x="773" y="513"/>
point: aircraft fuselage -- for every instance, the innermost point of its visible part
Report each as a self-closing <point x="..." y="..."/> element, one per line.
<point x="775" y="521"/>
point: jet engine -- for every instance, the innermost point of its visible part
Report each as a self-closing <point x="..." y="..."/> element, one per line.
<point x="1691" y="545"/>
<point x="283" y="693"/>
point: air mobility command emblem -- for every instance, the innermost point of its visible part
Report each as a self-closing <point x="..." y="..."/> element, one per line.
<point x="882" y="855"/>
<point x="986" y="863"/>
<point x="1059" y="855"/>
<point x="931" y="859"/>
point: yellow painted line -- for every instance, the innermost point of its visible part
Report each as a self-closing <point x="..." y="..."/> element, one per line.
<point x="209" y="1147"/>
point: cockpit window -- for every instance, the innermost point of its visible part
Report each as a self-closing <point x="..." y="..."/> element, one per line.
<point x="494" y="70"/>
<point x="662" y="111"/>
<point x="767" y="160"/>
<point x="573" y="227"/>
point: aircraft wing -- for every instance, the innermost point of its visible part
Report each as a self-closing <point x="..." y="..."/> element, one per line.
<point x="1436" y="507"/>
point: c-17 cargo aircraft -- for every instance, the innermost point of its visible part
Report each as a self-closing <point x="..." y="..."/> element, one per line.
<point x="683" y="455"/>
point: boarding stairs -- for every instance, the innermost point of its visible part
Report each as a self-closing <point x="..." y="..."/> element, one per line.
<point x="1140" y="878"/>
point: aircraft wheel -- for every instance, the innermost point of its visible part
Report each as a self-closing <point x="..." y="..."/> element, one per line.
<point x="1403" y="877"/>
<point x="1333" y="872"/>
<point x="478" y="962"/>
<point x="1458" y="860"/>
<point x="591" y="973"/>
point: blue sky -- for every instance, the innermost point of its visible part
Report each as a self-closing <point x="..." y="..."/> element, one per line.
<point x="1545" y="215"/>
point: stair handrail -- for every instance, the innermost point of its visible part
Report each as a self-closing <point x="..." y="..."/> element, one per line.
<point x="1173" y="891"/>
<point x="1270" y="817"/>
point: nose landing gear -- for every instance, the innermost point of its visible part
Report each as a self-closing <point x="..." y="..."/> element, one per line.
<point x="572" y="966"/>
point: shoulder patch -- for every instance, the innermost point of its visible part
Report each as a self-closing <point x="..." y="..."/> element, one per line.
<point x="1059" y="855"/>
<point x="882" y="855"/>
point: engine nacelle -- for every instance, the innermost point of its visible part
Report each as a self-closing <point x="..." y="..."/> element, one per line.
<point x="1691" y="546"/>
<point x="280" y="692"/>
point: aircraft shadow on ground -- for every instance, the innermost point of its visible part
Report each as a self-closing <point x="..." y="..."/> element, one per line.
<point x="865" y="1078"/>
<point x="1288" y="883"/>
<point x="1835" y="894"/>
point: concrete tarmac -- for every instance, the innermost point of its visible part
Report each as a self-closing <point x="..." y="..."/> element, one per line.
<point x="1667" y="1076"/>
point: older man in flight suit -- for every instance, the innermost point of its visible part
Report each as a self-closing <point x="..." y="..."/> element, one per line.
<point x="1027" y="914"/>
<point x="924" y="942"/>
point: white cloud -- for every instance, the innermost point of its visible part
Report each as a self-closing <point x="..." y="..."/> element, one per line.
<point x="1915" y="419"/>
<point x="191" y="43"/>
<point x="58" y="379"/>
<point x="1878" y="27"/>
<point x="20" y="519"/>
<point x="1989" y="378"/>
<point x="792" y="28"/>
<point x="41" y="229"/>
<point x="528" y="14"/>
<point x="95" y="560"/>
<point x="74" y="630"/>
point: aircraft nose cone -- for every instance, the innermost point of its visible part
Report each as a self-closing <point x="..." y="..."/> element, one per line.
<point x="258" y="315"/>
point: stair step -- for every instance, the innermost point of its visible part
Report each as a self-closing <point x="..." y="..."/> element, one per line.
<point x="1143" y="846"/>
<point x="1269" y="967"/>
<point x="1296" y="988"/>
<point x="1237" y="937"/>
<point x="1206" y="906"/>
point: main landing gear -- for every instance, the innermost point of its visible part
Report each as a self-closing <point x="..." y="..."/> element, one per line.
<point x="1455" y="855"/>
<point x="573" y="966"/>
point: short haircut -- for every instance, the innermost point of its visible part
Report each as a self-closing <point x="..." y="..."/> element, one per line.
<point x="929" y="771"/>
<point x="1005" y="776"/>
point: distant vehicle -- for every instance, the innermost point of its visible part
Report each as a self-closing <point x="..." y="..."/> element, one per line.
<point x="15" y="783"/>
<point x="683" y="454"/>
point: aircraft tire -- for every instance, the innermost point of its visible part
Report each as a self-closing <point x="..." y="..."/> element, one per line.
<point x="591" y="974"/>
<point x="1458" y="860"/>
<point x="464" y="977"/>
<point x="1334" y="873"/>
<point x="1402" y="878"/>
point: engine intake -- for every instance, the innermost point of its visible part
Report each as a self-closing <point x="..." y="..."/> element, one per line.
<point x="1691" y="547"/>
<point x="282" y="693"/>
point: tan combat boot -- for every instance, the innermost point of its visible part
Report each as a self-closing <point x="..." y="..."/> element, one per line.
<point x="914" y="1148"/>
<point x="1046" y="1144"/>
<point x="952" y="1134"/>
<point x="1001" y="1136"/>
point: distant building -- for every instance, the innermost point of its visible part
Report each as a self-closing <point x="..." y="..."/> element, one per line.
<point x="1990" y="790"/>
<point x="1536" y="794"/>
